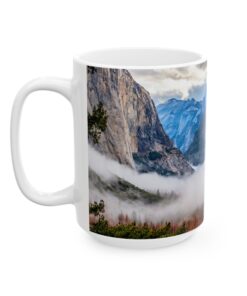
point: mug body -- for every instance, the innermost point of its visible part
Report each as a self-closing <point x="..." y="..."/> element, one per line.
<point x="139" y="118"/>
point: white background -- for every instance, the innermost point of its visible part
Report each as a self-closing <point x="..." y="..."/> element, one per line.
<point x="42" y="250"/>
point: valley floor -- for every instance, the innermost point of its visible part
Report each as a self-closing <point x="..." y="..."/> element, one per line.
<point x="127" y="228"/>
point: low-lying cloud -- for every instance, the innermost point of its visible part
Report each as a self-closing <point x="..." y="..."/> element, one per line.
<point x="189" y="189"/>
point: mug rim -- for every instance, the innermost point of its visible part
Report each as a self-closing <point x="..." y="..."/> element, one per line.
<point x="110" y="58"/>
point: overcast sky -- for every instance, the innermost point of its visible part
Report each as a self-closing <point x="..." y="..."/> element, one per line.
<point x="182" y="83"/>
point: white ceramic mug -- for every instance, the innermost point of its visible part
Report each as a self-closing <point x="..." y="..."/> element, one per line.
<point x="139" y="129"/>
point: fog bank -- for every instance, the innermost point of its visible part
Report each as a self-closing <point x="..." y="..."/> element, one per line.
<point x="189" y="190"/>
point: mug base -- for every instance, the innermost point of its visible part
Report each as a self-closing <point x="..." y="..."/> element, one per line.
<point x="142" y="243"/>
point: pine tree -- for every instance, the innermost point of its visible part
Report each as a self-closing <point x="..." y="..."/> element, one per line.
<point x="97" y="122"/>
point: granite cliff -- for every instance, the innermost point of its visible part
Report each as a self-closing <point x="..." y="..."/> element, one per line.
<point x="184" y="123"/>
<point x="180" y="120"/>
<point x="134" y="135"/>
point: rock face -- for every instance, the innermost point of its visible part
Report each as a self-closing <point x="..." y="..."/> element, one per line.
<point x="184" y="122"/>
<point x="134" y="135"/>
<point x="196" y="152"/>
<point x="181" y="120"/>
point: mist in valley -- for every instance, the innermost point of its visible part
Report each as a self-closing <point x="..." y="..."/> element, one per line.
<point x="188" y="191"/>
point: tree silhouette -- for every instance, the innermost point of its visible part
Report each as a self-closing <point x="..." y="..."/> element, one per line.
<point x="97" y="122"/>
<point x="92" y="70"/>
<point x="97" y="208"/>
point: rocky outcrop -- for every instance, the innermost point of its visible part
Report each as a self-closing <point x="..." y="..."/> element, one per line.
<point x="134" y="135"/>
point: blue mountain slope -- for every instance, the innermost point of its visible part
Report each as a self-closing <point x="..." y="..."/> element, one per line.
<point x="181" y="120"/>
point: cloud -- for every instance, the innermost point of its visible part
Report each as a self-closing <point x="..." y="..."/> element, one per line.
<point x="189" y="190"/>
<point x="175" y="82"/>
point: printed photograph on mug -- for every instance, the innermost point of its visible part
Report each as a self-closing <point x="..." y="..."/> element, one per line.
<point x="146" y="132"/>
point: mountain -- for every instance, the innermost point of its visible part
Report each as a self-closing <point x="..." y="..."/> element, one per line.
<point x="134" y="135"/>
<point x="183" y="120"/>
<point x="196" y="152"/>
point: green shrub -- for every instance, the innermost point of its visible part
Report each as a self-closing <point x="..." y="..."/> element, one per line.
<point x="133" y="230"/>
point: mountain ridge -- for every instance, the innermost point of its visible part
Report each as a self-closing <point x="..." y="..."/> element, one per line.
<point x="184" y="122"/>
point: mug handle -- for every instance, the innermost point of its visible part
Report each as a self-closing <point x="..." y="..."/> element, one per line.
<point x="63" y="87"/>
